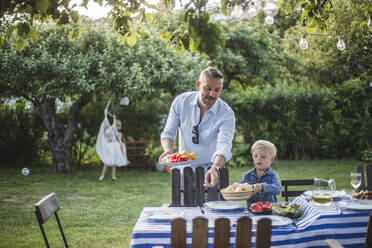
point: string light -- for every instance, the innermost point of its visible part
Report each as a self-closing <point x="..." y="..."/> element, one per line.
<point x="340" y="43"/>
<point x="303" y="43"/>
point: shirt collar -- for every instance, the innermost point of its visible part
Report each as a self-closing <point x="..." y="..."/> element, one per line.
<point x="267" y="172"/>
<point x="195" y="103"/>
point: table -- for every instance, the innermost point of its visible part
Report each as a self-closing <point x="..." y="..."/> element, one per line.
<point x="318" y="223"/>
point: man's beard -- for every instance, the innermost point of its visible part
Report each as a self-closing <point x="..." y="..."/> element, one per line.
<point x="211" y="101"/>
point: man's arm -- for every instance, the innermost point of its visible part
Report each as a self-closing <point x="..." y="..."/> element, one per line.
<point x="211" y="178"/>
<point x="167" y="144"/>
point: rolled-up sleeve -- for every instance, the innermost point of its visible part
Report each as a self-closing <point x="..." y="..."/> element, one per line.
<point x="274" y="187"/>
<point x="173" y="121"/>
<point x="225" y="137"/>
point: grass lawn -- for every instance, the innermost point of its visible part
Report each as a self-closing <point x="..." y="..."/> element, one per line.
<point x="102" y="214"/>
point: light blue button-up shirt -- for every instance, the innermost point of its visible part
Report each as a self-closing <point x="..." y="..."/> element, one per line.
<point x="216" y="130"/>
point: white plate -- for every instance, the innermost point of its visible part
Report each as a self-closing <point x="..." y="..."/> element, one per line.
<point x="356" y="204"/>
<point x="337" y="193"/>
<point x="224" y="205"/>
<point x="276" y="220"/>
<point x="177" y="163"/>
<point x="164" y="215"/>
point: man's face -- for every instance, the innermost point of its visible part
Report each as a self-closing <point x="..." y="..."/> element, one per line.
<point x="262" y="158"/>
<point x="209" y="91"/>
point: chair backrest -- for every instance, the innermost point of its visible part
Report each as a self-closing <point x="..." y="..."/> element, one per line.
<point x="366" y="177"/>
<point x="221" y="233"/>
<point x="294" y="182"/>
<point x="139" y="153"/>
<point x="193" y="190"/>
<point x="43" y="210"/>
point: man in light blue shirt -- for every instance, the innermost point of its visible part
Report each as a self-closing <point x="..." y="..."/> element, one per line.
<point x="205" y="124"/>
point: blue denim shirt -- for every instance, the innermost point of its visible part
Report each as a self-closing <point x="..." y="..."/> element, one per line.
<point x="216" y="130"/>
<point x="270" y="182"/>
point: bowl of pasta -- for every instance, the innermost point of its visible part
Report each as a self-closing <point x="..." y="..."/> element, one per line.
<point x="237" y="192"/>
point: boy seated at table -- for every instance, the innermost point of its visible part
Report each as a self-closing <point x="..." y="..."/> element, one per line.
<point x="265" y="181"/>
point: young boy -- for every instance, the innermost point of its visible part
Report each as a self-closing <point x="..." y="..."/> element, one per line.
<point x="265" y="181"/>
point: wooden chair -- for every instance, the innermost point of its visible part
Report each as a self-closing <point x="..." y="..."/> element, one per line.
<point x="138" y="153"/>
<point x="221" y="233"/>
<point x="366" y="177"/>
<point x="294" y="182"/>
<point x="43" y="210"/>
<point x="194" y="192"/>
<point x="332" y="243"/>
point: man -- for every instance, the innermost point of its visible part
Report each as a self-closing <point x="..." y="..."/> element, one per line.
<point x="206" y="125"/>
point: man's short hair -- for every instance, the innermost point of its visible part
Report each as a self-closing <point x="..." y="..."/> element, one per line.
<point x="210" y="72"/>
<point x="266" y="144"/>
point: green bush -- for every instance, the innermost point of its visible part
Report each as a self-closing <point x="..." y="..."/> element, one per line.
<point x="21" y="134"/>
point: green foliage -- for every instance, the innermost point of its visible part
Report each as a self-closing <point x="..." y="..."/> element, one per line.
<point x="21" y="134"/>
<point x="250" y="57"/>
<point x="294" y="119"/>
<point x="322" y="63"/>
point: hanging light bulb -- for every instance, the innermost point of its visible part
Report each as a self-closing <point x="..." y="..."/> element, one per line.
<point x="252" y="11"/>
<point x="303" y="43"/>
<point x="269" y="20"/>
<point x="369" y="23"/>
<point x="270" y="9"/>
<point x="340" y="44"/>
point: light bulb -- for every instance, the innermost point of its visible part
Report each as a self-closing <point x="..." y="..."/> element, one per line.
<point x="252" y="11"/>
<point x="340" y="44"/>
<point x="303" y="43"/>
<point x="369" y="23"/>
<point x="269" y="20"/>
<point x="270" y="9"/>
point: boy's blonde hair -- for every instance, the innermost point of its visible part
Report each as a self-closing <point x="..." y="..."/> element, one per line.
<point x="264" y="143"/>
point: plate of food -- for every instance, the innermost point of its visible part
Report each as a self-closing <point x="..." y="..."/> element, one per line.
<point x="164" y="216"/>
<point x="237" y="192"/>
<point x="275" y="220"/>
<point x="363" y="195"/>
<point x="289" y="210"/>
<point x="224" y="205"/>
<point x="356" y="204"/>
<point x="177" y="159"/>
<point x="263" y="207"/>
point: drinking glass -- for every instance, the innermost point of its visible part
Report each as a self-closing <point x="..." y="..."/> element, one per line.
<point x="355" y="180"/>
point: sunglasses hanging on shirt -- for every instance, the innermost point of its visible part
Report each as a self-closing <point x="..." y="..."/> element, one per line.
<point x="195" y="131"/>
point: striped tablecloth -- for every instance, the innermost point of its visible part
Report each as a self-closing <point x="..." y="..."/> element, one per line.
<point x="318" y="223"/>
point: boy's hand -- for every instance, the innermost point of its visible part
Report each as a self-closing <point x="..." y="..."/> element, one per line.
<point x="257" y="188"/>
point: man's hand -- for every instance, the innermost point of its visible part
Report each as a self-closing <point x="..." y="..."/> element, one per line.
<point x="211" y="178"/>
<point x="165" y="156"/>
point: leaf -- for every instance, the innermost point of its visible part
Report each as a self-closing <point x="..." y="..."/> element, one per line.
<point x="72" y="35"/>
<point x="74" y="16"/>
<point x="131" y="40"/>
<point x="100" y="2"/>
<point x="34" y="36"/>
<point x="224" y="4"/>
<point x="9" y="32"/>
<point x="21" y="43"/>
<point x="165" y="36"/>
<point x="42" y="5"/>
<point x="2" y="41"/>
<point x="23" y="29"/>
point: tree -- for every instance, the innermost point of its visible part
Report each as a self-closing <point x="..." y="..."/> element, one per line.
<point x="55" y="69"/>
<point x="130" y="18"/>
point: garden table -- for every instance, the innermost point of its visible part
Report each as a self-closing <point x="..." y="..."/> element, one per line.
<point x="317" y="224"/>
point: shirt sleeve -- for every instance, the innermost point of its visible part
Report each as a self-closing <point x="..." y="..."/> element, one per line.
<point x="173" y="121"/>
<point x="225" y="137"/>
<point x="274" y="187"/>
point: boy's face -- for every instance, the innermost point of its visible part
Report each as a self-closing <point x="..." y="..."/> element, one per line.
<point x="262" y="158"/>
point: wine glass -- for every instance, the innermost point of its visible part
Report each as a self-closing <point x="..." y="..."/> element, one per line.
<point x="355" y="180"/>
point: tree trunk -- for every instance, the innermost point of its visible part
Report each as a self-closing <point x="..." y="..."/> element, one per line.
<point x="60" y="135"/>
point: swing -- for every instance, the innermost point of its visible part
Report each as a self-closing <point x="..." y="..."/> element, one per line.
<point x="109" y="146"/>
